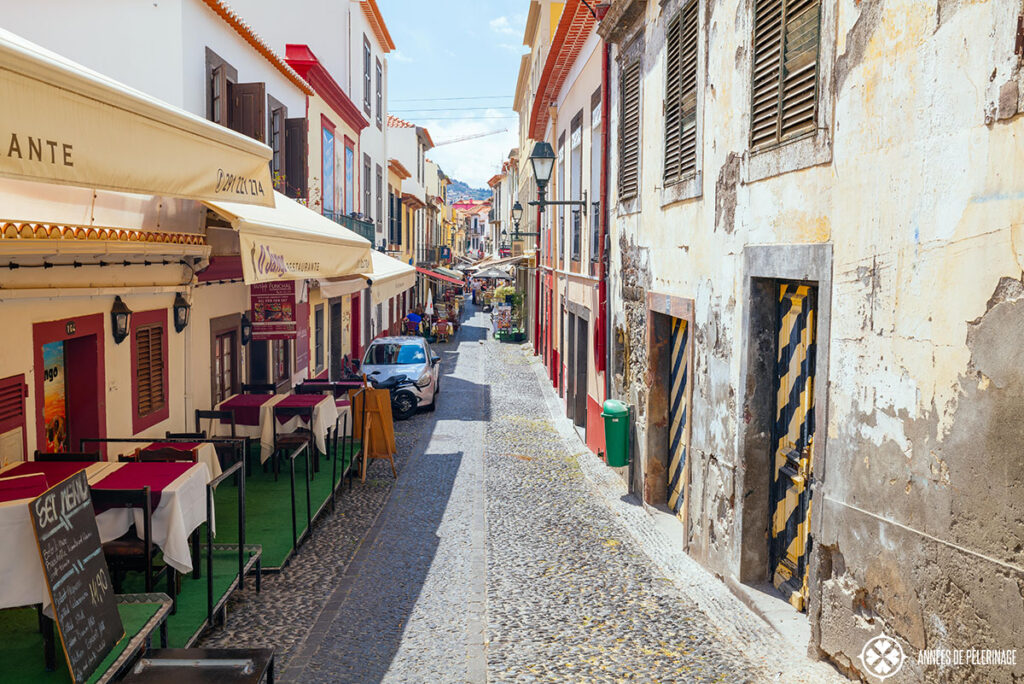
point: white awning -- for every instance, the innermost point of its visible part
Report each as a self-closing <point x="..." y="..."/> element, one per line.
<point x="291" y="242"/>
<point x="63" y="123"/>
<point x="389" y="277"/>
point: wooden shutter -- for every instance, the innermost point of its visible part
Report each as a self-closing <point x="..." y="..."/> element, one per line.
<point x="295" y="157"/>
<point x="681" y="95"/>
<point x="149" y="369"/>
<point x="629" y="132"/>
<point x="785" y="70"/>
<point x="247" y="110"/>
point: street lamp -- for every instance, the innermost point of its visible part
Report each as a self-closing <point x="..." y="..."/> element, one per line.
<point x="543" y="161"/>
<point x="517" y="214"/>
<point x="120" y="319"/>
<point x="181" y="312"/>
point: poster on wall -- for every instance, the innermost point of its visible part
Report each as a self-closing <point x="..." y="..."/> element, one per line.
<point x="55" y="403"/>
<point x="273" y="310"/>
<point x="504" y="317"/>
<point x="302" y="337"/>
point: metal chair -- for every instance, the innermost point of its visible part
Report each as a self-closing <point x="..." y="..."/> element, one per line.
<point x="185" y="435"/>
<point x="67" y="456"/>
<point x="165" y="455"/>
<point x="259" y="388"/>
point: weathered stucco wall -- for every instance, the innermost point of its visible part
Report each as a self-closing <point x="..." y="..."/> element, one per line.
<point x="917" y="514"/>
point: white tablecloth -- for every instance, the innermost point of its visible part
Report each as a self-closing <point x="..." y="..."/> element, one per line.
<point x="215" y="428"/>
<point x="181" y="510"/>
<point x="206" y="453"/>
<point x="325" y="413"/>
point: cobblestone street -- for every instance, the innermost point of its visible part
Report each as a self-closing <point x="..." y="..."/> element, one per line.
<point x="504" y="552"/>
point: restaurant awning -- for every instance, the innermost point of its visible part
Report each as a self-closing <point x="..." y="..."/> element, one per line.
<point x="389" y="277"/>
<point x="291" y="242"/>
<point x="438" y="276"/>
<point x="63" y="123"/>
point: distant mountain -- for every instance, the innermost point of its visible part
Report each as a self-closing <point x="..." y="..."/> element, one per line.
<point x="457" y="190"/>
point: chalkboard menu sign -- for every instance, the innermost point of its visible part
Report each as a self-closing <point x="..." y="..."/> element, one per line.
<point x="76" y="574"/>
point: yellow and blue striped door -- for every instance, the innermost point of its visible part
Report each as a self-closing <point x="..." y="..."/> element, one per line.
<point x="793" y="439"/>
<point x="678" y="414"/>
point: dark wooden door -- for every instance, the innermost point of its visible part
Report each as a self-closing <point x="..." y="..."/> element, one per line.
<point x="335" y="340"/>
<point x="580" y="384"/>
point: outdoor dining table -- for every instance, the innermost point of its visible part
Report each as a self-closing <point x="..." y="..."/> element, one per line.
<point x="178" y="492"/>
<point x="248" y="409"/>
<point x="204" y="452"/>
<point x="325" y="415"/>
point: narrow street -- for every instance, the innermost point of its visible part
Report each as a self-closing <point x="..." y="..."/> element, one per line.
<point x="494" y="558"/>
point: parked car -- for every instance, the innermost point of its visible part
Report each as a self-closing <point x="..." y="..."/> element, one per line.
<point x="387" y="357"/>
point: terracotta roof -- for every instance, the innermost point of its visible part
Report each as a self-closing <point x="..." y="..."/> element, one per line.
<point x="573" y="30"/>
<point x="18" y="230"/>
<point x="495" y="179"/>
<point x="395" y="122"/>
<point x="225" y="12"/>
<point x="377" y="25"/>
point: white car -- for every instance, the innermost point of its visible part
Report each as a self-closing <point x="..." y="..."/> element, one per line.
<point x="387" y="357"/>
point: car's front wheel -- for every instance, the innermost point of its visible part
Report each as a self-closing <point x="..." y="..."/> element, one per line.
<point x="404" y="405"/>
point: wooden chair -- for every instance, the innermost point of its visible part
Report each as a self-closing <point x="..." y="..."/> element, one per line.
<point x="315" y="387"/>
<point x="186" y="435"/>
<point x="259" y="388"/>
<point x="165" y="455"/>
<point x="68" y="456"/>
<point x="225" y="452"/>
<point x="131" y="552"/>
<point x="291" y="440"/>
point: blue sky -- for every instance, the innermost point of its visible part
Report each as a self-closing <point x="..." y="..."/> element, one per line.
<point x="458" y="49"/>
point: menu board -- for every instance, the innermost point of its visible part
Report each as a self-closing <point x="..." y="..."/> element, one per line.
<point x="76" y="574"/>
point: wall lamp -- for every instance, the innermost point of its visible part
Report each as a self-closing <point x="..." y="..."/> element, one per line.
<point x="246" y="326"/>
<point x="181" y="312"/>
<point x="120" y="320"/>
<point x="543" y="161"/>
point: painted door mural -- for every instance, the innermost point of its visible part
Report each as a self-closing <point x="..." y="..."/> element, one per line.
<point x="55" y="402"/>
<point x="793" y="440"/>
<point x="678" y="415"/>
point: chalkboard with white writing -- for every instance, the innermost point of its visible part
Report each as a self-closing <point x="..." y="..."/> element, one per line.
<point x="76" y="574"/>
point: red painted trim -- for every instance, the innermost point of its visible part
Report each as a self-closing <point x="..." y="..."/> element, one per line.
<point x="595" y="427"/>
<point x="574" y="27"/>
<point x="139" y="319"/>
<point x="57" y="331"/>
<point x="305" y="63"/>
<point x="601" y="334"/>
<point x="10" y="424"/>
<point x="439" y="276"/>
<point x="227" y="267"/>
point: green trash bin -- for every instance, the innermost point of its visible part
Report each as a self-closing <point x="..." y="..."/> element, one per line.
<point x="616" y="432"/>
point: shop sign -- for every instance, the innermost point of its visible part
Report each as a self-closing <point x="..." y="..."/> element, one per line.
<point x="273" y="310"/>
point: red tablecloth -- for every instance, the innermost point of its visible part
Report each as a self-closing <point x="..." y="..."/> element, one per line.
<point x="156" y="476"/>
<point x="300" y="401"/>
<point x="23" y="487"/>
<point x="246" y="408"/>
<point x="55" y="471"/>
<point x="177" y="446"/>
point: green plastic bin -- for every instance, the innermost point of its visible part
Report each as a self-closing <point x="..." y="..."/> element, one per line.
<point x="616" y="432"/>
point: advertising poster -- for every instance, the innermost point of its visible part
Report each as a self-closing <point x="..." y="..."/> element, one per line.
<point x="504" y="317"/>
<point x="302" y="336"/>
<point x="55" y="404"/>
<point x="273" y="310"/>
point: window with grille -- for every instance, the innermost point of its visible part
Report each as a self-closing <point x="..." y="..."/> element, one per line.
<point x="629" y="130"/>
<point x="576" y="181"/>
<point x="681" y="94"/>
<point x="595" y="177"/>
<point x="367" y="179"/>
<point x="560" y="247"/>
<point x="318" y="337"/>
<point x="785" y="70"/>
<point x="380" y="198"/>
<point x="380" y="95"/>
<point x="150" y="394"/>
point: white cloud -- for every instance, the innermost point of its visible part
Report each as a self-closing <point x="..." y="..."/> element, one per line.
<point x="517" y="49"/>
<point x="502" y="25"/>
<point x="399" y="57"/>
<point x="473" y="161"/>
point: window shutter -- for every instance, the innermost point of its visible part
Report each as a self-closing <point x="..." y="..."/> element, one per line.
<point x="681" y="95"/>
<point x="12" y="402"/>
<point x="785" y="71"/>
<point x="629" y="136"/>
<point x="149" y="351"/>
<point x="295" y="157"/>
<point x="248" y="107"/>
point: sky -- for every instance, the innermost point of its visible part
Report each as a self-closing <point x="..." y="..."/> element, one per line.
<point x="458" y="49"/>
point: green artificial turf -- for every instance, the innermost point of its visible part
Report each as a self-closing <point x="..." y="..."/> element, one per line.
<point x="22" y="652"/>
<point x="268" y="506"/>
<point x="191" y="599"/>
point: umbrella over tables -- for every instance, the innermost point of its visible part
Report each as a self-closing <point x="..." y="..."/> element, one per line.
<point x="429" y="310"/>
<point x="493" y="273"/>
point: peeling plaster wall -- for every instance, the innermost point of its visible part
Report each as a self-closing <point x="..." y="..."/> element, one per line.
<point x="917" y="518"/>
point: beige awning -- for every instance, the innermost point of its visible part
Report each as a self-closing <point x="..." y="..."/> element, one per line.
<point x="389" y="277"/>
<point x="291" y="242"/>
<point x="63" y="123"/>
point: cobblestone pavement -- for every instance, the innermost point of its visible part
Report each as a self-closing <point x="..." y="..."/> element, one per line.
<point x="504" y="552"/>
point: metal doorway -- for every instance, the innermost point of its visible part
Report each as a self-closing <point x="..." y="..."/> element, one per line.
<point x="793" y="440"/>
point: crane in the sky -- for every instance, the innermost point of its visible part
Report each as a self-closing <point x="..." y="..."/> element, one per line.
<point x="470" y="137"/>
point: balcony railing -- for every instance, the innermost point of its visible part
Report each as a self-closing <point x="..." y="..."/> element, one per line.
<point x="366" y="229"/>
